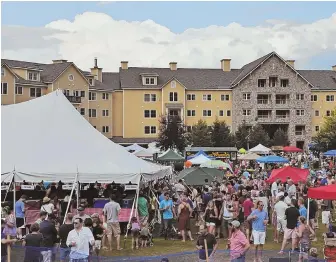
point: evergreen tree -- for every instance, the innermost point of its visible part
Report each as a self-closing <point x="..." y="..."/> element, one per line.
<point x="241" y="136"/>
<point x="200" y="134"/>
<point x="221" y="135"/>
<point x="280" y="138"/>
<point x="258" y="135"/>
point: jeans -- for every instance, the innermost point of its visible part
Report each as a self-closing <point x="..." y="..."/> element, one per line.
<point x="239" y="259"/>
<point x="64" y="253"/>
<point x="168" y="223"/>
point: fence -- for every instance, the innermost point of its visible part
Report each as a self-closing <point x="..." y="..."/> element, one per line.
<point x="33" y="254"/>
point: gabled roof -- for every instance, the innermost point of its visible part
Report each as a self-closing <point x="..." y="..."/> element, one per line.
<point x="22" y="64"/>
<point x="321" y="79"/>
<point x="10" y="70"/>
<point x="112" y="80"/>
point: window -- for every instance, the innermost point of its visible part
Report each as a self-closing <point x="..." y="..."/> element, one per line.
<point x="225" y="97"/>
<point x="191" y="97"/>
<point x="317" y="128"/>
<point x="92" y="96"/>
<point x="207" y="97"/>
<point x="300" y="112"/>
<point x="92" y="113"/>
<point x="261" y="82"/>
<point x="328" y="113"/>
<point x="228" y="113"/>
<point x="173" y="84"/>
<point x="35" y="92"/>
<point x="91" y="81"/>
<point x="77" y="93"/>
<point x="82" y="111"/>
<point x="2" y="71"/>
<point x="313" y="98"/>
<point x="317" y="113"/>
<point x="33" y="76"/>
<point x="150" y="81"/>
<point x="221" y="112"/>
<point x="149" y="97"/>
<point x="105" y="112"/>
<point x="272" y="81"/>
<point x="246" y="112"/>
<point x="206" y="112"/>
<point x="4" y="88"/>
<point x="247" y="96"/>
<point x="82" y="93"/>
<point x="173" y="96"/>
<point x="150" y="130"/>
<point x="284" y="82"/>
<point x="299" y="130"/>
<point x="105" y="96"/>
<point x="106" y="129"/>
<point x="95" y="127"/>
<point x="71" y="77"/>
<point x="330" y="98"/>
<point x="191" y="113"/>
<point x="150" y="113"/>
<point x="66" y="92"/>
<point x="18" y="90"/>
<point x="299" y="96"/>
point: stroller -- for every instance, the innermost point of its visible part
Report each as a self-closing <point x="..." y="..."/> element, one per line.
<point x="329" y="250"/>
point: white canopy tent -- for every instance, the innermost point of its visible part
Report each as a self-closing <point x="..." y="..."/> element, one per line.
<point x="135" y="147"/>
<point x="144" y="153"/>
<point x="47" y="139"/>
<point x="260" y="149"/>
<point x="198" y="160"/>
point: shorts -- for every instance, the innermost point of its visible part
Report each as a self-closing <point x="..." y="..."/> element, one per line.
<point x="304" y="248"/>
<point x="19" y="222"/>
<point x="135" y="233"/>
<point x="143" y="220"/>
<point x="210" y="224"/>
<point x="281" y="224"/>
<point x="258" y="237"/>
<point x="290" y="234"/>
<point x="64" y="253"/>
<point x="113" y="228"/>
<point x="97" y="244"/>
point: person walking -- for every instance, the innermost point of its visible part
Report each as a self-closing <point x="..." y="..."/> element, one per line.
<point x="211" y="244"/>
<point x="79" y="240"/>
<point x="32" y="244"/>
<point x="259" y="220"/>
<point x="63" y="235"/>
<point x="238" y="243"/>
<point x="184" y="212"/>
<point x="279" y="211"/>
<point x="111" y="218"/>
<point x="168" y="213"/>
<point x="304" y="232"/>
<point x="49" y="233"/>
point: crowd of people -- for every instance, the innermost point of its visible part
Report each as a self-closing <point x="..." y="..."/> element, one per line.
<point x="237" y="208"/>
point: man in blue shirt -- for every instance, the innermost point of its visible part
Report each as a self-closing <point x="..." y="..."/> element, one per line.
<point x="259" y="219"/>
<point x="168" y="213"/>
<point x="302" y="208"/>
<point x="19" y="214"/>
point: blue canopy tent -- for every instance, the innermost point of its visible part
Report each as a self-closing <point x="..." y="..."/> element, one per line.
<point x="201" y="152"/>
<point x="330" y="153"/>
<point x="272" y="159"/>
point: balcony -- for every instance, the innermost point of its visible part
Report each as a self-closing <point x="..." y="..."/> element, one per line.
<point x="263" y="99"/>
<point x="74" y="99"/>
<point x="300" y="130"/>
<point x="264" y="115"/>
<point x="282" y="100"/>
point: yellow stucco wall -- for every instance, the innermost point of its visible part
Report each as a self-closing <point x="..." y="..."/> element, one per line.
<point x="117" y="113"/>
<point x="26" y="93"/>
<point x="133" y="108"/>
<point x="20" y="72"/>
<point x="322" y="106"/>
<point x="173" y="86"/>
<point x="10" y="80"/>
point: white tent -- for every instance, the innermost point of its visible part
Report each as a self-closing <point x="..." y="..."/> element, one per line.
<point x="135" y="147"/>
<point x="144" y="153"/>
<point x="260" y="149"/>
<point x="47" y="139"/>
<point x="198" y="160"/>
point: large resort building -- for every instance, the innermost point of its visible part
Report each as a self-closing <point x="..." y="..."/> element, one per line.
<point x="126" y="105"/>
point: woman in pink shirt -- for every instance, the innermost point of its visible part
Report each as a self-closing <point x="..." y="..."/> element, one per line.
<point x="238" y="243"/>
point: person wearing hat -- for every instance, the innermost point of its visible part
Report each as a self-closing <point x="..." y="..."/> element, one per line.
<point x="81" y="214"/>
<point x="47" y="206"/>
<point x="238" y="243"/>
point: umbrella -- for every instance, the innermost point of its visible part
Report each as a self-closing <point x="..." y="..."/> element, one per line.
<point x="330" y="153"/>
<point x="216" y="164"/>
<point x="323" y="192"/>
<point x="272" y="159"/>
<point x="291" y="149"/>
<point x="249" y="156"/>
<point x="296" y="174"/>
<point x="242" y="151"/>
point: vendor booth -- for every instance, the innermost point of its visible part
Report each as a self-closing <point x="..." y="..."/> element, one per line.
<point x="295" y="174"/>
<point x="212" y="152"/>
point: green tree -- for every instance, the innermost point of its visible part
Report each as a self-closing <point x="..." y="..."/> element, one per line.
<point x="326" y="137"/>
<point x="221" y="134"/>
<point x="258" y="135"/>
<point x="280" y="138"/>
<point x="200" y="134"/>
<point x="171" y="133"/>
<point x="241" y="135"/>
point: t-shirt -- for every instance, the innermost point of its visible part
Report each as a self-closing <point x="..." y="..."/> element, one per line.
<point x="206" y="199"/>
<point x="97" y="230"/>
<point x="63" y="233"/>
<point x="143" y="207"/>
<point x="168" y="213"/>
<point x="292" y="191"/>
<point x="247" y="205"/>
<point x="303" y="211"/>
<point x="211" y="242"/>
<point x="274" y="188"/>
<point x="258" y="223"/>
<point x="111" y="210"/>
<point x="32" y="250"/>
<point x="292" y="214"/>
<point x="48" y="208"/>
<point x="280" y="209"/>
<point x="179" y="187"/>
<point x="19" y="209"/>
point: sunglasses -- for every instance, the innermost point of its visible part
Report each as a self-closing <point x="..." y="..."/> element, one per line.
<point x="76" y="223"/>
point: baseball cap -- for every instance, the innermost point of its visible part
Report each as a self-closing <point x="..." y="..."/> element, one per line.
<point x="235" y="223"/>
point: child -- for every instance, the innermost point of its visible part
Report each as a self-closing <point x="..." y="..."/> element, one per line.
<point x="135" y="232"/>
<point x="144" y="235"/>
<point x="326" y="216"/>
<point x="97" y="231"/>
<point x="313" y="255"/>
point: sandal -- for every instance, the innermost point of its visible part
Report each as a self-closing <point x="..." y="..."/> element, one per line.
<point x="280" y="252"/>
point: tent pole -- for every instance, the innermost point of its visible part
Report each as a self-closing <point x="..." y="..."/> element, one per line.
<point x="10" y="184"/>
<point x="308" y="211"/>
<point x="14" y="193"/>
<point x="129" y="220"/>
<point x="78" y="191"/>
<point x="70" y="198"/>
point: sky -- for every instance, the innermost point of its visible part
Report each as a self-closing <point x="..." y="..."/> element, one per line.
<point x="194" y="34"/>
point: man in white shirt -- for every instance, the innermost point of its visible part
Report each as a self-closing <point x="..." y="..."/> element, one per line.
<point x="274" y="187"/>
<point x="78" y="240"/>
<point x="179" y="187"/>
<point x="280" y="209"/>
<point x="291" y="189"/>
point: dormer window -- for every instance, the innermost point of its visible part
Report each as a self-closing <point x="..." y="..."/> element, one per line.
<point x="149" y="79"/>
<point x="33" y="76"/>
<point x="91" y="81"/>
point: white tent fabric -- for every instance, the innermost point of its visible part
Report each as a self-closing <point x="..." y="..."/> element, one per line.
<point x="249" y="156"/>
<point x="152" y="146"/>
<point x="143" y="153"/>
<point x="260" y="149"/>
<point x="198" y="160"/>
<point x="134" y="147"/>
<point x="47" y="139"/>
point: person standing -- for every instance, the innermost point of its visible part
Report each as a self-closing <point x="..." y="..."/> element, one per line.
<point x="166" y="206"/>
<point x="279" y="210"/>
<point x="81" y="214"/>
<point x="79" y="240"/>
<point x="111" y="217"/>
<point x="184" y="212"/>
<point x="32" y="244"/>
<point x="259" y="220"/>
<point x="247" y="207"/>
<point x="63" y="235"/>
<point x="291" y="189"/>
<point x="20" y="214"/>
<point x="211" y="243"/>
<point x="302" y="208"/>
<point x="143" y="209"/>
<point x="304" y="233"/>
<point x="5" y="242"/>
<point x="238" y="243"/>
<point x="49" y="233"/>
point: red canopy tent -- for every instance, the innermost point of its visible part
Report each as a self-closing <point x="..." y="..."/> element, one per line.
<point x="296" y="174"/>
<point x="291" y="149"/>
<point x="323" y="192"/>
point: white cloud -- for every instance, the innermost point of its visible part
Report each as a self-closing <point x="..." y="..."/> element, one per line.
<point x="147" y="43"/>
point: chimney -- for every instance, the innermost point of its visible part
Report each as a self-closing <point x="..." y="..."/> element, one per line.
<point x="96" y="71"/>
<point x="124" y="65"/>
<point x="59" y="61"/>
<point x="333" y="68"/>
<point x="173" y="66"/>
<point x="95" y="62"/>
<point x="226" y="64"/>
<point x="291" y="63"/>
